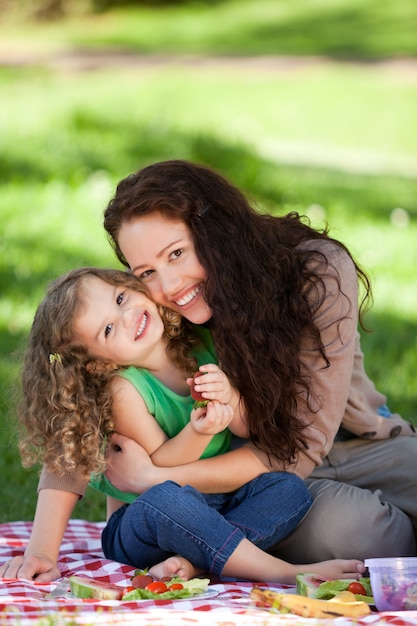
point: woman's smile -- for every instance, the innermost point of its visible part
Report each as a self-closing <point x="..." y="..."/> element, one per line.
<point x="189" y="296"/>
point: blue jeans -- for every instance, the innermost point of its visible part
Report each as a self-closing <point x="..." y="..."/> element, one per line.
<point x="205" y="528"/>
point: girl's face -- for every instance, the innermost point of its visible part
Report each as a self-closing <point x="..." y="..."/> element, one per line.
<point x="117" y="324"/>
<point x="160" y="252"/>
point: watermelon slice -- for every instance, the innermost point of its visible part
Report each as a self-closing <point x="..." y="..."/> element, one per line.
<point x="88" y="588"/>
<point x="307" y="584"/>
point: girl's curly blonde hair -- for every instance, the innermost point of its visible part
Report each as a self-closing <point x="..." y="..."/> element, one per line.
<point x="65" y="408"/>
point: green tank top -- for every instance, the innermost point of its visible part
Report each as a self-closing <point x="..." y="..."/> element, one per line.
<point x="171" y="411"/>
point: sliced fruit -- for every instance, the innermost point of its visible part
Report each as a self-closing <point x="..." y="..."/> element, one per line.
<point x="308" y="607"/>
<point x="307" y="584"/>
<point x="88" y="588"/>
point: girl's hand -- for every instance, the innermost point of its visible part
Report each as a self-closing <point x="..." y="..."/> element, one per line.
<point x="212" y="419"/>
<point x="214" y="385"/>
<point x="32" y="567"/>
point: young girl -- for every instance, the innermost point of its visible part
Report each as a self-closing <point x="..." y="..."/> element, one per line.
<point x="281" y="300"/>
<point x="79" y="385"/>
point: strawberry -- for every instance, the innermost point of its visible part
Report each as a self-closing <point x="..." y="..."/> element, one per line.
<point x="141" y="580"/>
<point x="199" y="401"/>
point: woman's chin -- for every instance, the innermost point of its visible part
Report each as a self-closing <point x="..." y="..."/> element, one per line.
<point x="199" y="314"/>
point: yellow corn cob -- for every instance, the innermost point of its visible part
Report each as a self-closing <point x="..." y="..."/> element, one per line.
<point x="308" y="607"/>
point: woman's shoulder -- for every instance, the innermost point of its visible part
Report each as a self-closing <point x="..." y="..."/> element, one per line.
<point x="329" y="255"/>
<point x="336" y="277"/>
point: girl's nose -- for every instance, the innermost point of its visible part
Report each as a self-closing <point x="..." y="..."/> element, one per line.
<point x="127" y="317"/>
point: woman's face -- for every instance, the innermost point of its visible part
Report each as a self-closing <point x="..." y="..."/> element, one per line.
<point x="160" y="252"/>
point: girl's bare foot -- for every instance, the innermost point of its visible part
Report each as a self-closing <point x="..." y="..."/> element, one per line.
<point x="174" y="566"/>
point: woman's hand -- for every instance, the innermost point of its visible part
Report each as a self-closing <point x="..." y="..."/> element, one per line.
<point x="32" y="567"/>
<point x="130" y="469"/>
<point x="129" y="466"/>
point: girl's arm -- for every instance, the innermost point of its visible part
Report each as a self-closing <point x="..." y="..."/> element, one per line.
<point x="132" y="470"/>
<point x="53" y="510"/>
<point x="132" y="419"/>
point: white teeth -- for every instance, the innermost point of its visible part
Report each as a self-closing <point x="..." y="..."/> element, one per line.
<point x="192" y="294"/>
<point x="142" y="325"/>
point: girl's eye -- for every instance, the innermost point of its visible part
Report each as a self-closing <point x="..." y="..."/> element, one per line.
<point x="108" y="330"/>
<point x="120" y="299"/>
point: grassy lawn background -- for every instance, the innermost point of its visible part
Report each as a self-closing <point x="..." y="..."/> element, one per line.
<point x="335" y="141"/>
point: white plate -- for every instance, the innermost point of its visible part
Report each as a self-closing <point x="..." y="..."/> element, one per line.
<point x="210" y="593"/>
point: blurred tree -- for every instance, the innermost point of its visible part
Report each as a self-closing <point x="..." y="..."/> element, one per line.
<point x="103" y="5"/>
<point x="49" y="10"/>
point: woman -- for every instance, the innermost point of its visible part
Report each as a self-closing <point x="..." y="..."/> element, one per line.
<point x="281" y="301"/>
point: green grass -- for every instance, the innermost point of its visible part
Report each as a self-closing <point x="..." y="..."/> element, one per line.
<point x="333" y="141"/>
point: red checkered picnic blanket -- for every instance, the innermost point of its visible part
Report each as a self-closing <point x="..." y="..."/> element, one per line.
<point x="22" y="603"/>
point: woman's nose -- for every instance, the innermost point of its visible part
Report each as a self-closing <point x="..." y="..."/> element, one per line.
<point x="170" y="283"/>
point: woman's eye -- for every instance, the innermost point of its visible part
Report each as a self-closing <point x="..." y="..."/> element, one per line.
<point x="120" y="298"/>
<point x="108" y="330"/>
<point x="145" y="274"/>
<point x="176" y="253"/>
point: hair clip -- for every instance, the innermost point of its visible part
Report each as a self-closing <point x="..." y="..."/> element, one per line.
<point x="55" y="357"/>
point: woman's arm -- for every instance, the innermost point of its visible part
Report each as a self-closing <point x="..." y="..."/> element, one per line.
<point x="130" y="469"/>
<point x="53" y="510"/>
